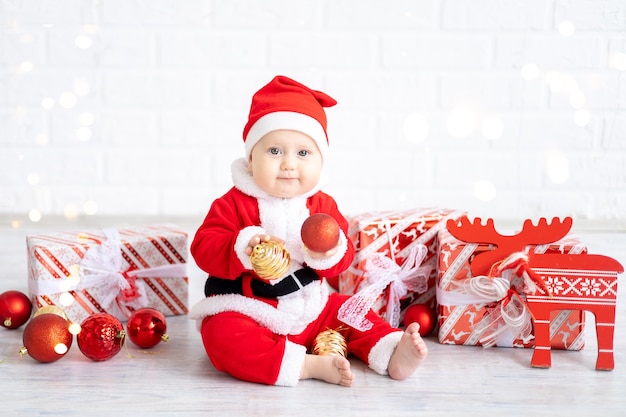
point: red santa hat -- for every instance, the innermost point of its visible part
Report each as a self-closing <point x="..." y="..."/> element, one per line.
<point x="286" y="104"/>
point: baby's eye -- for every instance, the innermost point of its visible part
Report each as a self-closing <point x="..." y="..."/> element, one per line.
<point x="303" y="152"/>
<point x="274" y="151"/>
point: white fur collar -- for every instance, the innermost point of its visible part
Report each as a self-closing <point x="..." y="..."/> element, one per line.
<point x="244" y="182"/>
<point x="283" y="218"/>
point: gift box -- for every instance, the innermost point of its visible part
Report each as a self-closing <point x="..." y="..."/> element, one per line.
<point x="392" y="242"/>
<point x="116" y="271"/>
<point x="488" y="310"/>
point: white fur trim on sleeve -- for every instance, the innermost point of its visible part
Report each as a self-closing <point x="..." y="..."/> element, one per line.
<point x="327" y="263"/>
<point x="242" y="243"/>
<point x="291" y="366"/>
<point x="380" y="355"/>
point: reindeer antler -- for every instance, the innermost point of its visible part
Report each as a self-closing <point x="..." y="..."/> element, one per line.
<point x="476" y="232"/>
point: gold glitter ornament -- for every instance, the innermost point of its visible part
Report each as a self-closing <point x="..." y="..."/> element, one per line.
<point x="51" y="309"/>
<point x="270" y="260"/>
<point x="330" y="343"/>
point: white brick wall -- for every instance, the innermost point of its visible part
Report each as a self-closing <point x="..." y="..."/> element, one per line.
<point x="136" y="107"/>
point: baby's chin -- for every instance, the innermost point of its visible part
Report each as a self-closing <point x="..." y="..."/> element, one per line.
<point x="289" y="191"/>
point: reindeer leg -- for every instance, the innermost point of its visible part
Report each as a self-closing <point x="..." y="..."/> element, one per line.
<point x="541" y="354"/>
<point x="605" y="327"/>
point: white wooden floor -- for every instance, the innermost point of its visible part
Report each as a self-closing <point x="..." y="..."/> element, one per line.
<point x="177" y="379"/>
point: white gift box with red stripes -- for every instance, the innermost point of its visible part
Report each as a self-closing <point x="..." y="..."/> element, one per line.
<point x="116" y="271"/>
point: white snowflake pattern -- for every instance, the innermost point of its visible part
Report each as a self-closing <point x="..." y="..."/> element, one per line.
<point x="590" y="286"/>
<point x="555" y="284"/>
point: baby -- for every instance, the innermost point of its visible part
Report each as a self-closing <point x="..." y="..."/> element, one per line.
<point x="261" y="330"/>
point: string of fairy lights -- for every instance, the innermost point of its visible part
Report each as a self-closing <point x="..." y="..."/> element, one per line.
<point x="461" y="121"/>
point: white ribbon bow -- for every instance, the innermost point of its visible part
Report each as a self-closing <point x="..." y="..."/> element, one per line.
<point x="509" y="320"/>
<point x="383" y="272"/>
<point x="102" y="267"/>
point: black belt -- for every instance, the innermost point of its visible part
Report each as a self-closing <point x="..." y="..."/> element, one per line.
<point x="289" y="284"/>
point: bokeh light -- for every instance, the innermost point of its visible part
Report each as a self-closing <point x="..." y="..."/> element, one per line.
<point x="83" y="133"/>
<point x="582" y="117"/>
<point x="81" y="87"/>
<point x="484" y="190"/>
<point x="577" y="99"/>
<point x="557" y="167"/>
<point x="61" y="348"/>
<point x="90" y="207"/>
<point x="67" y="100"/>
<point x="566" y="28"/>
<point x="86" y="118"/>
<point x="34" y="215"/>
<point x="47" y="103"/>
<point x="70" y="212"/>
<point x="75" y="328"/>
<point x="33" y="178"/>
<point x="26" y="66"/>
<point x="618" y="61"/>
<point x="559" y="82"/>
<point x="66" y="299"/>
<point x="416" y="128"/>
<point x="461" y="121"/>
<point x="492" y="128"/>
<point x="83" y="42"/>
<point x="42" y="139"/>
<point x="530" y="71"/>
<point x="21" y="112"/>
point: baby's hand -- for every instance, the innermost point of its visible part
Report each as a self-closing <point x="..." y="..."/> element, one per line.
<point x="256" y="239"/>
<point x="322" y="255"/>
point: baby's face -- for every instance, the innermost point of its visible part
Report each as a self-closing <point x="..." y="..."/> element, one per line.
<point x="286" y="163"/>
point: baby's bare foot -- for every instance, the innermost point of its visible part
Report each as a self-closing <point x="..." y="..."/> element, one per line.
<point x="332" y="369"/>
<point x="409" y="354"/>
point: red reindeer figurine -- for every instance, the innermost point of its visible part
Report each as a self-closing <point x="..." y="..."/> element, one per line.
<point x="564" y="281"/>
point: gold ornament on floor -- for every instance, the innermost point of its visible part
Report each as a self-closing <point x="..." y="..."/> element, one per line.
<point x="51" y="309"/>
<point x="330" y="343"/>
<point x="270" y="260"/>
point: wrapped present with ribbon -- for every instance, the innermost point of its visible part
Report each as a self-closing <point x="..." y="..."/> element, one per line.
<point x="385" y="275"/>
<point x="116" y="271"/>
<point x="386" y="246"/>
<point x="483" y="285"/>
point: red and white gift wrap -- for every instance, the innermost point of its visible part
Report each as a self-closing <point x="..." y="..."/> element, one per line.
<point x="115" y="271"/>
<point x="383" y="274"/>
<point x="395" y="235"/>
<point x="491" y="311"/>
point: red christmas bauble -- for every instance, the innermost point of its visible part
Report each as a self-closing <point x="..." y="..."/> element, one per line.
<point x="320" y="232"/>
<point x="47" y="338"/>
<point x="422" y="314"/>
<point x="15" y="309"/>
<point x="101" y="336"/>
<point x="146" y="327"/>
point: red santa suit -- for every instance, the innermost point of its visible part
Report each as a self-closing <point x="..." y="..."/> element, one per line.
<point x="247" y="331"/>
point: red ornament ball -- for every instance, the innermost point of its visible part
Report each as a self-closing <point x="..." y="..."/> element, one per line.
<point x="146" y="327"/>
<point x="422" y="314"/>
<point x="15" y="309"/>
<point x="101" y="336"/>
<point x="47" y="338"/>
<point x="320" y="232"/>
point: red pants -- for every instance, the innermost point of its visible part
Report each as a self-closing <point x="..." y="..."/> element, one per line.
<point x="238" y="345"/>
